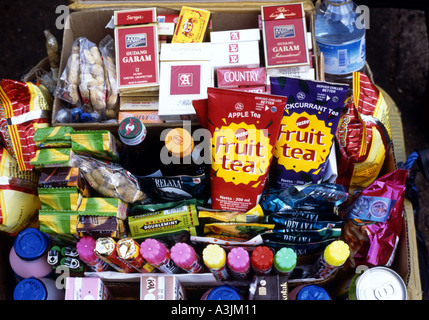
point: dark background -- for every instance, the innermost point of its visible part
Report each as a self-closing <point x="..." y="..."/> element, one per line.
<point x="397" y="53"/>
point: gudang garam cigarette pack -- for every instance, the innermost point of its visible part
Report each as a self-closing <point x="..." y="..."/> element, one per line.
<point x="284" y="35"/>
<point x="137" y="60"/>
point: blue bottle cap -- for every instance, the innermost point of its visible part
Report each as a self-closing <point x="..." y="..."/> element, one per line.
<point x="30" y="289"/>
<point x="224" y="292"/>
<point x="30" y="244"/>
<point x="313" y="292"/>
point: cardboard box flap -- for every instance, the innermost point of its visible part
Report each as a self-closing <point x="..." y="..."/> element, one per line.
<point x="215" y="6"/>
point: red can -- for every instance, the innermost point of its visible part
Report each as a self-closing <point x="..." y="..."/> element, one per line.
<point x="105" y="249"/>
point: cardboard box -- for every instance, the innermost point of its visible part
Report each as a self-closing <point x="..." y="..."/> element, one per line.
<point x="160" y="287"/>
<point x="86" y="288"/>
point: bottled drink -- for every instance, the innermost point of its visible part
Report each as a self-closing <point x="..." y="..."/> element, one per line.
<point x="340" y="36"/>
<point x="38" y="289"/>
<point x="332" y="258"/>
<point x="239" y="263"/>
<point x="185" y="257"/>
<point x="262" y="260"/>
<point x="29" y="255"/>
<point x="214" y="257"/>
<point x="141" y="150"/>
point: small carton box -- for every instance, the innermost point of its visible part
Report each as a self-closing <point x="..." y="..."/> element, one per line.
<point x="138" y="103"/>
<point x="134" y="16"/>
<point x="236" y="54"/>
<point x="181" y="82"/>
<point x="147" y="116"/>
<point x="284" y="35"/>
<point x="236" y="77"/>
<point x="235" y="35"/>
<point x="160" y="287"/>
<point x="86" y="288"/>
<point x="186" y="51"/>
<point x="137" y="57"/>
<point x="191" y="26"/>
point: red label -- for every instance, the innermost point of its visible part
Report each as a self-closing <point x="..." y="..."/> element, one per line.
<point x="128" y="17"/>
<point x="290" y="11"/>
<point x="137" y="55"/>
<point x="185" y="79"/>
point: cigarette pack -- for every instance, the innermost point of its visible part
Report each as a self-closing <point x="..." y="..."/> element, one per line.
<point x="186" y="51"/>
<point x="137" y="57"/>
<point x="144" y="116"/>
<point x="161" y="287"/>
<point x="235" y="54"/>
<point x="284" y="35"/>
<point x="235" y="35"/>
<point x="138" y="103"/>
<point x="181" y="83"/>
<point x="235" y="77"/>
<point x="191" y="26"/>
<point x="86" y="288"/>
<point x="134" y="16"/>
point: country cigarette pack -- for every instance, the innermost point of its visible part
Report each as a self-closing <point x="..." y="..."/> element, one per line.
<point x="284" y="35"/>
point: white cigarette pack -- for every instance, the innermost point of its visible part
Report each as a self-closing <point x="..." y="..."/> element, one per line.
<point x="236" y="54"/>
<point x="181" y="82"/>
<point x="235" y="35"/>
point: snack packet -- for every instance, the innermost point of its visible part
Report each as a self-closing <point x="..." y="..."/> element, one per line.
<point x="95" y="143"/>
<point x="24" y="107"/>
<point x="53" y="137"/>
<point x="307" y="129"/>
<point x="363" y="136"/>
<point x="109" y="179"/>
<point x="374" y="219"/>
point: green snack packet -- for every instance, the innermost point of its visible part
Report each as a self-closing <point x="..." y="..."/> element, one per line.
<point x="170" y="218"/>
<point x="96" y="143"/>
<point x="52" y="157"/>
<point x="59" y="225"/>
<point x="59" y="198"/>
<point x="96" y="206"/>
<point x="53" y="137"/>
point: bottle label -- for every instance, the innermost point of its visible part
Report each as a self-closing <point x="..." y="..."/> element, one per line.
<point x="345" y="58"/>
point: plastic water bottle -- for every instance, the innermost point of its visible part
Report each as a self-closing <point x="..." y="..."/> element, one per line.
<point x="340" y="35"/>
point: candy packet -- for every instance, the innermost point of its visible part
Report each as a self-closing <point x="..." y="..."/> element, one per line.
<point x="374" y="219"/>
<point x="323" y="197"/>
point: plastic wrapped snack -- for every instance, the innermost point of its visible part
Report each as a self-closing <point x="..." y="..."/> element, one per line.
<point x="107" y="49"/>
<point x="109" y="179"/>
<point x="88" y="82"/>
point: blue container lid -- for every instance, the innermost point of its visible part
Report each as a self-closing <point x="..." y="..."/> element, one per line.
<point x="224" y="292"/>
<point x="30" y="244"/>
<point x="30" y="289"/>
<point x="313" y="292"/>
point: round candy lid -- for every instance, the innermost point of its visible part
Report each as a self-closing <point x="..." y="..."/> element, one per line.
<point x="224" y="292"/>
<point x="30" y="244"/>
<point x="153" y="251"/>
<point x="285" y="260"/>
<point x="182" y="254"/>
<point x="313" y="292"/>
<point x="30" y="289"/>
<point x="214" y="256"/>
<point x="337" y="253"/>
<point x="262" y="257"/>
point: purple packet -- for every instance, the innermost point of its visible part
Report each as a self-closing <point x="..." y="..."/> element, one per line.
<point x="307" y="130"/>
